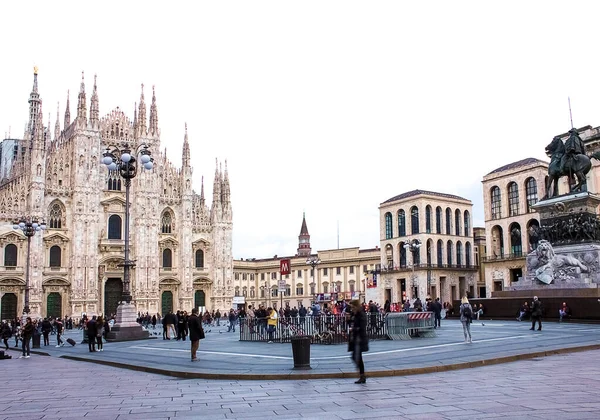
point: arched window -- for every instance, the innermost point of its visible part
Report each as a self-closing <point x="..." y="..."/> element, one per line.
<point x="388" y="226"/>
<point x="237" y="291"/>
<point x="428" y="219"/>
<point x="531" y="193"/>
<point x="459" y="253"/>
<point x="114" y="227"/>
<point x="401" y="223"/>
<point x="438" y="220"/>
<point x="245" y="291"/>
<point x="513" y="199"/>
<point x="440" y="253"/>
<point x="449" y="253"/>
<point x="533" y="232"/>
<point x="416" y="256"/>
<point x="10" y="255"/>
<point x="389" y="253"/>
<point x="55" y="256"/>
<point x="467" y="223"/>
<point x="497" y="242"/>
<point x="496" y="203"/>
<point x="55" y="216"/>
<point x="166" y="222"/>
<point x="457" y="222"/>
<point x="448" y="221"/>
<point x="402" y="254"/>
<point x="167" y="258"/>
<point x="199" y="258"/>
<point x="114" y="180"/>
<point x="429" y="252"/>
<point x="516" y="247"/>
<point x="414" y="220"/>
<point x="468" y="254"/>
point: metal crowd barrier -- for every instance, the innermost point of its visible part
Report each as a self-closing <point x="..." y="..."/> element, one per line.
<point x="405" y="325"/>
<point x="324" y="329"/>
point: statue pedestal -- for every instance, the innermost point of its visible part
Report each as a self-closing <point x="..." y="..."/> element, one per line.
<point x="126" y="327"/>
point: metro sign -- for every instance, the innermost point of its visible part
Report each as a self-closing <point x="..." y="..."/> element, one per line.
<point x="284" y="266"/>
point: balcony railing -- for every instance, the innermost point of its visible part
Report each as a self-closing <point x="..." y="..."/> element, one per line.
<point x="408" y="267"/>
<point x="502" y="257"/>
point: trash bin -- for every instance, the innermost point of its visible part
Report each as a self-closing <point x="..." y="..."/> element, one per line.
<point x="301" y="352"/>
<point x="36" y="340"/>
<point x="85" y="337"/>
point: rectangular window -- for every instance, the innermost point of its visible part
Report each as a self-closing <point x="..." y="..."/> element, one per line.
<point x="274" y="292"/>
<point x="299" y="274"/>
<point x="262" y="276"/>
<point x="299" y="291"/>
<point x="236" y="276"/>
<point x="252" y="277"/>
<point x="273" y="276"/>
<point x="338" y="270"/>
<point x="365" y="268"/>
<point x="325" y="271"/>
<point x="244" y="276"/>
<point x="325" y="288"/>
<point x="351" y="269"/>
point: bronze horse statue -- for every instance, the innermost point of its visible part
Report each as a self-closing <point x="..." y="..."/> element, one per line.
<point x="566" y="164"/>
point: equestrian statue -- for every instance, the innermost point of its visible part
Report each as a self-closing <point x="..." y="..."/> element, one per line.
<point x="568" y="159"/>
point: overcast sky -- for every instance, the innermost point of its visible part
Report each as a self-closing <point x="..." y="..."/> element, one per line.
<point x="323" y="107"/>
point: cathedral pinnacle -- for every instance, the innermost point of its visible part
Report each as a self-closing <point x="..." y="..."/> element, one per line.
<point x="34" y="104"/>
<point x="153" y="127"/>
<point x="67" y="113"/>
<point x="82" y="105"/>
<point x="95" y="107"/>
<point x="57" y="125"/>
<point x="185" y="158"/>
<point x="142" y="127"/>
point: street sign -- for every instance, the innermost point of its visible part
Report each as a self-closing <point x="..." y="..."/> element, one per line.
<point x="284" y="266"/>
<point x="282" y="286"/>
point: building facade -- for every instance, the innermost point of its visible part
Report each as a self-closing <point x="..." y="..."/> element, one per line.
<point x="480" y="253"/>
<point x="182" y="248"/>
<point x="443" y="266"/>
<point x="509" y="193"/>
<point x="340" y="274"/>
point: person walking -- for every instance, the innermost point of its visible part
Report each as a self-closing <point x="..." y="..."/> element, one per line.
<point x="26" y="334"/>
<point x="437" y="311"/>
<point x="99" y="333"/>
<point x="5" y="333"/>
<point x="466" y="317"/>
<point x="59" y="328"/>
<point x="196" y="332"/>
<point x="358" y="341"/>
<point x="536" y="314"/>
<point x="232" y="319"/>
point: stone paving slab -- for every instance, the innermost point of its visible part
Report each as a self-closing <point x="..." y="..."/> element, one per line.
<point x="562" y="386"/>
<point x="223" y="356"/>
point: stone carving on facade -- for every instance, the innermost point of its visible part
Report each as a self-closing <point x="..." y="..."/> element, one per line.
<point x="571" y="229"/>
<point x="548" y="266"/>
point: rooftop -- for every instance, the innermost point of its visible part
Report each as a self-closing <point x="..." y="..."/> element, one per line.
<point x="414" y="193"/>
<point x="518" y="164"/>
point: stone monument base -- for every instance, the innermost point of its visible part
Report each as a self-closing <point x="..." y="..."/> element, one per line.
<point x="126" y="327"/>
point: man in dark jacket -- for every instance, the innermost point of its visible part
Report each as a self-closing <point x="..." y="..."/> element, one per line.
<point x="92" y="332"/>
<point x="536" y="313"/>
<point x="196" y="332"/>
<point x="437" y="311"/>
<point x="358" y="340"/>
<point x="26" y="334"/>
<point x="46" y="329"/>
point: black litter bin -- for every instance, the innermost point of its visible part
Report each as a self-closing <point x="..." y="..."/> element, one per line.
<point x="36" y="340"/>
<point x="301" y="352"/>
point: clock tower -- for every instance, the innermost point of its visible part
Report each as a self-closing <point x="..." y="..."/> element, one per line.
<point x="304" y="239"/>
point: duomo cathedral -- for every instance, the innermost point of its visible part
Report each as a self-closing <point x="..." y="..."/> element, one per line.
<point x="181" y="247"/>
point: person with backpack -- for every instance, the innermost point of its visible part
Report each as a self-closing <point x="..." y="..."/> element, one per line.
<point x="466" y="317"/>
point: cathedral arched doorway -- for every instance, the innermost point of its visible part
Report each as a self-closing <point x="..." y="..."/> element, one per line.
<point x="9" y="306"/>
<point x="199" y="299"/>
<point x="113" y="290"/>
<point x="54" y="305"/>
<point x="166" y="302"/>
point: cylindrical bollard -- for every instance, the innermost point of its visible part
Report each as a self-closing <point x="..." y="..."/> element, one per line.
<point x="36" y="340"/>
<point x="85" y="337"/>
<point x="301" y="352"/>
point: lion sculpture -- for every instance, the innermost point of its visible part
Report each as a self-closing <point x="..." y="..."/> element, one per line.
<point x="550" y="263"/>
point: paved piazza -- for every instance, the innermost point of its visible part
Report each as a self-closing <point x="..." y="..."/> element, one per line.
<point x="565" y="386"/>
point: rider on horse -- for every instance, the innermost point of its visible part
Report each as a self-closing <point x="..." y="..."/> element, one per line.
<point x="573" y="146"/>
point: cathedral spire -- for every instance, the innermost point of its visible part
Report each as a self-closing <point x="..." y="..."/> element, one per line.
<point x="38" y="131"/>
<point x="226" y="192"/>
<point x="153" y="127"/>
<point x="95" y="107"/>
<point x="202" y="191"/>
<point x="82" y="105"/>
<point x="142" y="116"/>
<point x="34" y="104"/>
<point x="57" y="125"/>
<point x="215" y="210"/>
<point x="67" y="113"/>
<point x="135" y="120"/>
<point x="304" y="249"/>
<point x="185" y="158"/>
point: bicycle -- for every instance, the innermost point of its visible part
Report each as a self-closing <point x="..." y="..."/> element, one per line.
<point x="324" y="337"/>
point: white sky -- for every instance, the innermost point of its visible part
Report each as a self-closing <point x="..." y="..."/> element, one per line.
<point x="328" y="107"/>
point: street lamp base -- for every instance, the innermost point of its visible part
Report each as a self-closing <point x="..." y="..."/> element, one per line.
<point x="126" y="327"/>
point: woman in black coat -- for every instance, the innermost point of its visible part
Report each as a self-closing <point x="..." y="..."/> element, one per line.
<point x="358" y="342"/>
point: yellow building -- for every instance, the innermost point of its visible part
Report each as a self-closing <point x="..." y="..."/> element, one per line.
<point x="443" y="265"/>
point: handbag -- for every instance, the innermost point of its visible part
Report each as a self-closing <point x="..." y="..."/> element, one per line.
<point x="201" y="335"/>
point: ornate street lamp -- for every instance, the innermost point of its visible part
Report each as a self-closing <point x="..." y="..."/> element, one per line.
<point x="29" y="227"/>
<point x="313" y="261"/>
<point x="413" y="246"/>
<point x="127" y="164"/>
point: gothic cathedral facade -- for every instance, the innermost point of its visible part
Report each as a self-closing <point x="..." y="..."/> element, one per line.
<point x="182" y="249"/>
